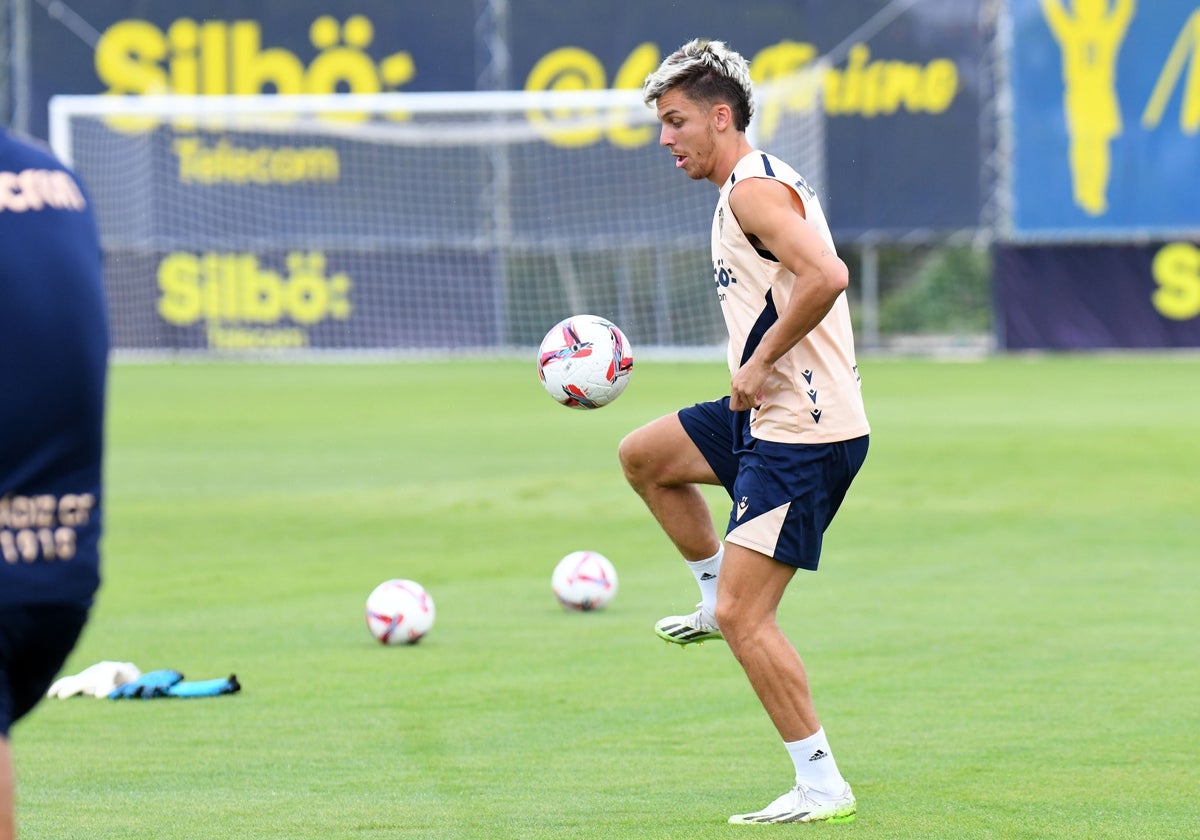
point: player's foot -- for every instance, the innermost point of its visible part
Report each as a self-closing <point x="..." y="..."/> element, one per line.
<point x="803" y="805"/>
<point x="688" y="629"/>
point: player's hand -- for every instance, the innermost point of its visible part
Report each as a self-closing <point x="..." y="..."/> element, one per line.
<point x="97" y="680"/>
<point x="746" y="387"/>
<point x="151" y="684"/>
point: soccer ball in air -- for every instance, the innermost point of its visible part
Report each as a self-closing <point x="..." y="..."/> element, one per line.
<point x="584" y="580"/>
<point x="585" y="361"/>
<point x="399" y="612"/>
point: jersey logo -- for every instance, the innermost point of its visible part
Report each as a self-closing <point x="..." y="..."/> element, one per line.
<point x="722" y="276"/>
<point x="816" y="415"/>
<point x="806" y="192"/>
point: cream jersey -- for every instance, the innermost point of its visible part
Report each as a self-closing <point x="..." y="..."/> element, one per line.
<point x="814" y="394"/>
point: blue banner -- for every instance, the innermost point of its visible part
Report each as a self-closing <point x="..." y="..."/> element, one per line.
<point x="1089" y="297"/>
<point x="1106" y="118"/>
<point x="301" y="299"/>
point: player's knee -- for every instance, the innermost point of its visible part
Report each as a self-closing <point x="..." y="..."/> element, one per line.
<point x="728" y="618"/>
<point x="636" y="458"/>
<point x="739" y="627"/>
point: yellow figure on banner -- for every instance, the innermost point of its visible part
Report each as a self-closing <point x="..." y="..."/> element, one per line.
<point x="1090" y="37"/>
<point x="1187" y="47"/>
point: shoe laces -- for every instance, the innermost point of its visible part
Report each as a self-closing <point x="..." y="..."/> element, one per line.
<point x="701" y="621"/>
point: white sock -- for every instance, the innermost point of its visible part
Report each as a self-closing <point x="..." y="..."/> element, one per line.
<point x="815" y="767"/>
<point x="706" y="572"/>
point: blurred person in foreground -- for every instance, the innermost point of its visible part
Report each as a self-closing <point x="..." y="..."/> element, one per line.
<point x="54" y="348"/>
<point x="788" y="440"/>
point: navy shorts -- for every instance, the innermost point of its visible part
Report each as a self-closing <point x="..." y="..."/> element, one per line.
<point x="784" y="494"/>
<point x="35" y="641"/>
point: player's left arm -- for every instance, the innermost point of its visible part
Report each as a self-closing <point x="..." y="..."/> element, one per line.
<point x="772" y="215"/>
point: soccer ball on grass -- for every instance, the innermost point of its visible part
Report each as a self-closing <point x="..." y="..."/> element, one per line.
<point x="399" y="612"/>
<point x="584" y="580"/>
<point x="585" y="361"/>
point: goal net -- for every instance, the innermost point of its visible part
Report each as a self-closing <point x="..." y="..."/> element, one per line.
<point x="399" y="222"/>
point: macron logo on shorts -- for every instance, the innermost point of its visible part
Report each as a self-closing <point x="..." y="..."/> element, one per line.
<point x="742" y="506"/>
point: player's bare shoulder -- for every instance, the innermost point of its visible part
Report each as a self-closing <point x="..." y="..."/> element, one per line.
<point x="765" y="208"/>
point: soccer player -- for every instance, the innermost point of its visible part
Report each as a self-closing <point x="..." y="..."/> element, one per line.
<point x="792" y="434"/>
<point x="54" y="343"/>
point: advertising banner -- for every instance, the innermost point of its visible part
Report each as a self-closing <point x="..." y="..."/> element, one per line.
<point x="899" y="115"/>
<point x="1067" y="297"/>
<point x="301" y="299"/>
<point x="1106" y="119"/>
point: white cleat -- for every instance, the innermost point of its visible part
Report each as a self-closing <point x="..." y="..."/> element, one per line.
<point x="803" y="805"/>
<point x="687" y="629"/>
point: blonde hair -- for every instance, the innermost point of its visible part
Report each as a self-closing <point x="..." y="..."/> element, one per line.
<point x="707" y="72"/>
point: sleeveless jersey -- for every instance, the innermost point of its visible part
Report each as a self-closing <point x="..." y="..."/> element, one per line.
<point x="54" y="345"/>
<point x="815" y="394"/>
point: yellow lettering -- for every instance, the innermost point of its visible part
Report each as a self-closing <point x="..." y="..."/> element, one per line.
<point x="183" y="36"/>
<point x="227" y="163"/>
<point x="784" y="69"/>
<point x="256" y="70"/>
<point x="214" y="48"/>
<point x="633" y="71"/>
<point x="225" y="338"/>
<point x="843" y="88"/>
<point x="261" y="296"/>
<point x="901" y="86"/>
<point x="567" y="68"/>
<point x="218" y="276"/>
<point x="1176" y="270"/>
<point x="940" y="85"/>
<point x="244" y="274"/>
<point x="346" y="68"/>
<point x="216" y="57"/>
<point x="178" y="281"/>
<point x="870" y="88"/>
<point x="233" y="289"/>
<point x="127" y="58"/>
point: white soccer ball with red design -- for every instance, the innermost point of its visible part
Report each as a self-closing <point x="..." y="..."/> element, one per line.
<point x="584" y="580"/>
<point x="585" y="361"/>
<point x="399" y="612"/>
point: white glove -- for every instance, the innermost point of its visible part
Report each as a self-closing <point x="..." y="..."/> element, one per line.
<point x="97" y="680"/>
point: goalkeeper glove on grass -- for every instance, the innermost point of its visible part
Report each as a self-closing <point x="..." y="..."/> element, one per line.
<point x="97" y="680"/>
<point x="148" y="685"/>
<point x="205" y="688"/>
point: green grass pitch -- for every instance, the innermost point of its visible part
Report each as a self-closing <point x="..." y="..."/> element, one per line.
<point x="1003" y="639"/>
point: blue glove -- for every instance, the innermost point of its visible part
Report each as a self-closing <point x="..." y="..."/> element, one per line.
<point x="205" y="688"/>
<point x="150" y="684"/>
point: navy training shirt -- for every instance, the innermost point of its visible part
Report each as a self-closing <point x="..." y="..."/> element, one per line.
<point x="54" y="344"/>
